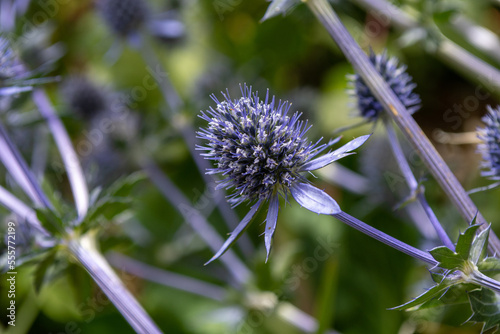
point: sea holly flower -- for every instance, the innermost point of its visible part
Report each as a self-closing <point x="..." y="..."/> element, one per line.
<point x="490" y="146"/>
<point x="261" y="151"/>
<point x="397" y="79"/>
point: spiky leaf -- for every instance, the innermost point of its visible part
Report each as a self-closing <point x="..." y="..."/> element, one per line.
<point x="485" y="306"/>
<point x="278" y="7"/>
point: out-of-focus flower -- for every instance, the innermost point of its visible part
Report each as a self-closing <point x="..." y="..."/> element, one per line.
<point x="490" y="147"/>
<point x="261" y="150"/>
<point x="397" y="79"/>
<point x="84" y="97"/>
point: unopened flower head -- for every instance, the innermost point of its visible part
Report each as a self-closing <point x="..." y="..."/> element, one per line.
<point x="84" y="97"/>
<point x="124" y="16"/>
<point x="397" y="79"/>
<point x="260" y="149"/>
<point x="490" y="146"/>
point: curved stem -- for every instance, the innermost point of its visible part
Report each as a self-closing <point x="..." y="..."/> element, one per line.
<point x="68" y="154"/>
<point x="385" y="238"/>
<point x="480" y="279"/>
<point x="414" y="186"/>
<point x="100" y="271"/>
<point x="400" y="115"/>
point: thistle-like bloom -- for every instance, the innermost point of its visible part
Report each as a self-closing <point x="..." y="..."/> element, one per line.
<point x="490" y="146"/>
<point x="397" y="79"/>
<point x="12" y="72"/>
<point x="124" y="16"/>
<point x="84" y="97"/>
<point x="261" y="150"/>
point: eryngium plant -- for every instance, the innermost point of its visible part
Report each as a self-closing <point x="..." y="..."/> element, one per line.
<point x="261" y="150"/>
<point x="397" y="79"/>
<point x="490" y="146"/>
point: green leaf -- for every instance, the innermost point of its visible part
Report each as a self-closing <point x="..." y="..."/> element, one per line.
<point x="485" y="306"/>
<point x="50" y="221"/>
<point x="123" y="186"/>
<point x="480" y="246"/>
<point x="489" y="266"/>
<point x="447" y="258"/>
<point x="444" y="15"/>
<point x="464" y="242"/>
<point x="435" y="292"/>
<point x="106" y="208"/>
<point x="42" y="268"/>
<point x="278" y="7"/>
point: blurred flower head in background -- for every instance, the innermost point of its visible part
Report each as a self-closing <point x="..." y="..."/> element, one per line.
<point x="124" y="16"/>
<point x="490" y="147"/>
<point x="84" y="97"/>
<point x="397" y="79"/>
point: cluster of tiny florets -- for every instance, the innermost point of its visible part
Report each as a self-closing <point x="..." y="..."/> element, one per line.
<point x="490" y="146"/>
<point x="124" y="16"/>
<point x="397" y="79"/>
<point x="256" y="145"/>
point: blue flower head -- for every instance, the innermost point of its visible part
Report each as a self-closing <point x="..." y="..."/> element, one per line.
<point x="490" y="146"/>
<point x="12" y="71"/>
<point x="397" y="79"/>
<point x="261" y="151"/>
<point x="124" y="16"/>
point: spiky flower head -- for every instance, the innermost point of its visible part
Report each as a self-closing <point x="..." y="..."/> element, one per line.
<point x="124" y="16"/>
<point x="490" y="146"/>
<point x="396" y="77"/>
<point x="260" y="149"/>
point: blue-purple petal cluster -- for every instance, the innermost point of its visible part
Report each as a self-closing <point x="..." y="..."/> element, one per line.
<point x="397" y="79"/>
<point x="260" y="149"/>
<point x="490" y="146"/>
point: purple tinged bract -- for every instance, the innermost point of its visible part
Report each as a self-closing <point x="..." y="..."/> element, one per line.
<point x="260" y="149"/>
<point x="490" y="146"/>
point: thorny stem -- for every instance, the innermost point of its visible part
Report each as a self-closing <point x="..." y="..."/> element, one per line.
<point x="385" y="238"/>
<point x="413" y="184"/>
<point x="100" y="271"/>
<point x="175" y="105"/>
<point x="400" y="115"/>
<point x="193" y="217"/>
<point x="68" y="154"/>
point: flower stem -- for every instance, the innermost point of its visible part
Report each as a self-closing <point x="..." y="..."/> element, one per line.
<point x="68" y="154"/>
<point x="480" y="279"/>
<point x="413" y="184"/>
<point x="193" y="217"/>
<point x="100" y="271"/>
<point x="166" y="278"/>
<point x="385" y="238"/>
<point x="400" y="115"/>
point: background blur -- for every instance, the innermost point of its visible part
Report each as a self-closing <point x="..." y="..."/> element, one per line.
<point x="224" y="44"/>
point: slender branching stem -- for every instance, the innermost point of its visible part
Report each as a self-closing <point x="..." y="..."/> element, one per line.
<point x="15" y="205"/>
<point x="166" y="278"/>
<point x="19" y="170"/>
<point x="96" y="265"/>
<point x="479" y="278"/>
<point x="404" y="120"/>
<point x="415" y="188"/>
<point x="193" y="217"/>
<point x="68" y="154"/>
<point x="385" y="238"/>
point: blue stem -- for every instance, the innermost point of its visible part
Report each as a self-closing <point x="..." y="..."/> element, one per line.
<point x="385" y="238"/>
<point x="414" y="186"/>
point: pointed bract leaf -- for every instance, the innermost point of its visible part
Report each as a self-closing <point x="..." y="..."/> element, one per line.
<point x="339" y="153"/>
<point x="435" y="292"/>
<point x="271" y="220"/>
<point x="485" y="306"/>
<point x="123" y="186"/>
<point x="447" y="258"/>
<point x="464" y="242"/>
<point x="238" y="231"/>
<point x="480" y="246"/>
<point x="314" y="199"/>
<point x="278" y="7"/>
<point x="50" y="221"/>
